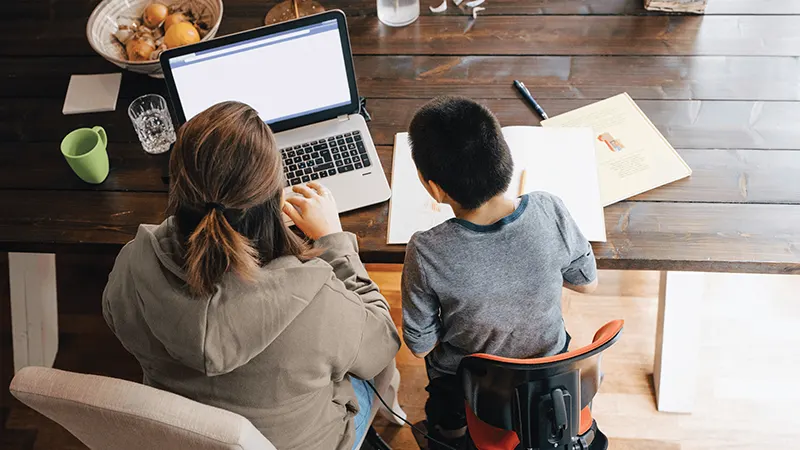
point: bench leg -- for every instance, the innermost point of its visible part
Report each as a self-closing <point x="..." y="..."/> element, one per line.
<point x="34" y="311"/>
<point x="678" y="340"/>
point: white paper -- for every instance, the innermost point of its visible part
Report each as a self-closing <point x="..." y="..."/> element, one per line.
<point x="560" y="161"/>
<point x="556" y="160"/>
<point x="92" y="93"/>
<point x="411" y="209"/>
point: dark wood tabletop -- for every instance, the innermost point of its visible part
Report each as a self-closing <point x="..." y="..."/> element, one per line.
<point x="723" y="88"/>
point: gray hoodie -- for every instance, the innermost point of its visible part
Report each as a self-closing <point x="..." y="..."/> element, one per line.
<point x="278" y="351"/>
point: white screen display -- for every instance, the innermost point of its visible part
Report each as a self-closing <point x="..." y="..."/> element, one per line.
<point x="282" y="76"/>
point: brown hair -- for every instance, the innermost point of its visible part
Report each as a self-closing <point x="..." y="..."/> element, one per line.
<point x="226" y="183"/>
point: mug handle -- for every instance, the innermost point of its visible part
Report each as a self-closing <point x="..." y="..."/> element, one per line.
<point x="102" y="133"/>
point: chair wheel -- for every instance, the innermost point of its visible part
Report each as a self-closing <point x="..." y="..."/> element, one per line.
<point x="468" y="444"/>
<point x="600" y="441"/>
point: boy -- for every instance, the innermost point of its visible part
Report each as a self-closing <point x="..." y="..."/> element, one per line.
<point x="489" y="280"/>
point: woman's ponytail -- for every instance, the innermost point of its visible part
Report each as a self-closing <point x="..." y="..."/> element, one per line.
<point x="226" y="185"/>
<point x="213" y="249"/>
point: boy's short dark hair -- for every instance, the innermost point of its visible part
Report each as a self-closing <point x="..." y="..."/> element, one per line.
<point x="457" y="143"/>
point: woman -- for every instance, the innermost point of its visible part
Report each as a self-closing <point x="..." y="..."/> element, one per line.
<point x="223" y="304"/>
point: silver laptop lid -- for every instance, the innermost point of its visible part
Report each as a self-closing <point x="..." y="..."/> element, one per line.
<point x="294" y="74"/>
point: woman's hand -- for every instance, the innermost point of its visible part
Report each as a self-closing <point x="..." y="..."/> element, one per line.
<point x="313" y="211"/>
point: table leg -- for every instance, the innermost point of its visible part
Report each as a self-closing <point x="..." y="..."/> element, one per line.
<point x="34" y="311"/>
<point x="677" y="340"/>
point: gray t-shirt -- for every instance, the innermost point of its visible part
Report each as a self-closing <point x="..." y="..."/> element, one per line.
<point x="493" y="288"/>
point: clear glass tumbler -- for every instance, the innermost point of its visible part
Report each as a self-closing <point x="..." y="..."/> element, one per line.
<point x="152" y="122"/>
<point x="398" y="13"/>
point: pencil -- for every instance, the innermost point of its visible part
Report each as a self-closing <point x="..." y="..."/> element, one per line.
<point x="522" y="177"/>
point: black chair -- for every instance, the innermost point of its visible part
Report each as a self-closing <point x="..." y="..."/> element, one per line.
<point x="374" y="441"/>
<point x="539" y="403"/>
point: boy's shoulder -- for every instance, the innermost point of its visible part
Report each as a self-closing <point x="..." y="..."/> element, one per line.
<point x="546" y="202"/>
<point x="543" y="198"/>
<point x="431" y="236"/>
<point x="443" y="235"/>
<point x="537" y="201"/>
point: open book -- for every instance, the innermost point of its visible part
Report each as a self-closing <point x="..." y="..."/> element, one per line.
<point x="632" y="155"/>
<point x="560" y="161"/>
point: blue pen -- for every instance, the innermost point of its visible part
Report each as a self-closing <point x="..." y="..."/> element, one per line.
<point x="526" y="94"/>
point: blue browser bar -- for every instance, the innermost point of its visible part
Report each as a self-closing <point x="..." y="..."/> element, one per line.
<point x="264" y="41"/>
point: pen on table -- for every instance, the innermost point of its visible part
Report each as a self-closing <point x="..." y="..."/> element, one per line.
<point x="526" y="94"/>
<point x="522" y="179"/>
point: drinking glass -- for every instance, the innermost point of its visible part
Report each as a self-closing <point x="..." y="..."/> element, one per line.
<point x="398" y="13"/>
<point x="152" y="122"/>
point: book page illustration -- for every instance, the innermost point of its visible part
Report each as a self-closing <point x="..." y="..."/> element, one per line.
<point x="632" y="155"/>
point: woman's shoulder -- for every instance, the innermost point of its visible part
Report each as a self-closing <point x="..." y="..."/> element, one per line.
<point x="306" y="276"/>
<point x="316" y="272"/>
<point x="293" y="262"/>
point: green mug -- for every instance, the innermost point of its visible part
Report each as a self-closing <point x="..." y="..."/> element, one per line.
<point x="85" y="151"/>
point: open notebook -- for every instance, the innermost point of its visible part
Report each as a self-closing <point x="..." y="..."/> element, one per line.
<point x="560" y="161"/>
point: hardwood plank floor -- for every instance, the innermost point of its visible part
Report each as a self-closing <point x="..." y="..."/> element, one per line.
<point x="747" y="390"/>
<point x="742" y="354"/>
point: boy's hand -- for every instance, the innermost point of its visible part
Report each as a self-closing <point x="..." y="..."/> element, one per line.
<point x="424" y="354"/>
<point x="313" y="211"/>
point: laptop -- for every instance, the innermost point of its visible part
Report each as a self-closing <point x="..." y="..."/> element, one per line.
<point x="299" y="76"/>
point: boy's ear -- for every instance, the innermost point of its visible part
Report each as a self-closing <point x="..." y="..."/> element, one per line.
<point x="436" y="191"/>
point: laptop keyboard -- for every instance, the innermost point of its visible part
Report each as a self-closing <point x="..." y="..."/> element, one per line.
<point x="324" y="158"/>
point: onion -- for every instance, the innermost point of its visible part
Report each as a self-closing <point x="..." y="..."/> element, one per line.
<point x="140" y="48"/>
<point x="154" y="14"/>
<point x="172" y="19"/>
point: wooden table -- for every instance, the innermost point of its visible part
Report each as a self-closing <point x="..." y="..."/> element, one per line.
<point x="723" y="88"/>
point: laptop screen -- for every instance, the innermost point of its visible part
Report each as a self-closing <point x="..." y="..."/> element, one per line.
<point x="284" y="75"/>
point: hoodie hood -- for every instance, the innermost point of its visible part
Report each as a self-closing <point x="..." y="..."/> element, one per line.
<point x="219" y="333"/>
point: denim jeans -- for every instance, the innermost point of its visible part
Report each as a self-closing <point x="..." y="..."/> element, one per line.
<point x="365" y="397"/>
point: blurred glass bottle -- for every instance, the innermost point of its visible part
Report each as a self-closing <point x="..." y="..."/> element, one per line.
<point x="398" y="13"/>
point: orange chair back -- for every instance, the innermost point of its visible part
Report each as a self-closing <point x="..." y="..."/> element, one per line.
<point x="523" y="400"/>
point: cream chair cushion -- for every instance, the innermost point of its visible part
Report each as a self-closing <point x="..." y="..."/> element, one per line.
<point x="107" y="413"/>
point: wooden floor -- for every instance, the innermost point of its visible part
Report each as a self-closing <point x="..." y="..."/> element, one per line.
<point x="747" y="386"/>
